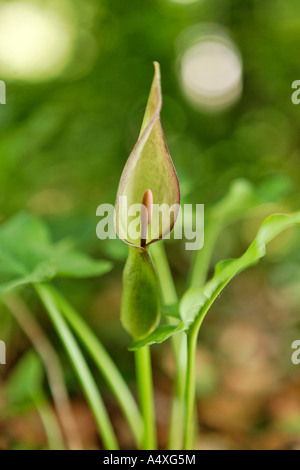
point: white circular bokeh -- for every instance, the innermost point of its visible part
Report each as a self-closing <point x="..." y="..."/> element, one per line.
<point x="36" y="42"/>
<point x="211" y="71"/>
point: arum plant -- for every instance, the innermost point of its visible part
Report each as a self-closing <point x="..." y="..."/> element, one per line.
<point x="148" y="180"/>
<point x="150" y="310"/>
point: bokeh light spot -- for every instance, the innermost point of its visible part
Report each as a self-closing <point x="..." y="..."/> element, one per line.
<point x="211" y="71"/>
<point x="36" y="41"/>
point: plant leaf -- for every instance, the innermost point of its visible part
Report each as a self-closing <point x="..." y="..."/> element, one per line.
<point x="28" y="256"/>
<point x="161" y="334"/>
<point x="78" y="265"/>
<point x="197" y="301"/>
<point x="149" y="166"/>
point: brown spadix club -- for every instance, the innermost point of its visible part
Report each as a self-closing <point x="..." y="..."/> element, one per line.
<point x="146" y="215"/>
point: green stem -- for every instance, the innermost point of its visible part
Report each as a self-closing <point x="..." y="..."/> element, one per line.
<point x="198" y="277"/>
<point x="52" y="366"/>
<point x="233" y="206"/>
<point x="202" y="258"/>
<point x="163" y="273"/>
<point x="190" y="388"/>
<point x="146" y="398"/>
<point x="177" y="411"/>
<point x="83" y="373"/>
<point x="169" y="297"/>
<point x="190" y="392"/>
<point x="50" y="424"/>
<point x="106" y="366"/>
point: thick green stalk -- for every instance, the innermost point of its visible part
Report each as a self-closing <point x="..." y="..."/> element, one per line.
<point x="163" y="273"/>
<point x="146" y="398"/>
<point x="169" y="297"/>
<point x="190" y="388"/>
<point x="80" y="367"/>
<point x="177" y="411"/>
<point x="106" y="366"/>
<point x="190" y="392"/>
<point x="197" y="278"/>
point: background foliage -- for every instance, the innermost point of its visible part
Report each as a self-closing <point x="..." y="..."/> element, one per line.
<point x="63" y="145"/>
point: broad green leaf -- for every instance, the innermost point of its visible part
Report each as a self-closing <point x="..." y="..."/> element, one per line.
<point x="28" y="256"/>
<point x="140" y="297"/>
<point x="31" y="229"/>
<point x="149" y="166"/>
<point x="78" y="265"/>
<point x="161" y="334"/>
<point x="196" y="301"/>
<point x="20" y="231"/>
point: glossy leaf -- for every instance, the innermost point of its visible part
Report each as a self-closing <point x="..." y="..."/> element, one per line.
<point x="149" y="166"/>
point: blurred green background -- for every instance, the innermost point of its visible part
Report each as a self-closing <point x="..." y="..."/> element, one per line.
<point x="75" y="101"/>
